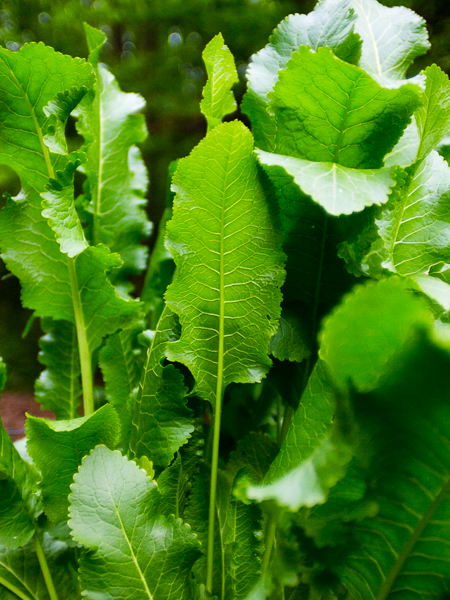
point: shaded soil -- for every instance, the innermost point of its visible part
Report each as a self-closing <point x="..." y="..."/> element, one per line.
<point x="13" y="407"/>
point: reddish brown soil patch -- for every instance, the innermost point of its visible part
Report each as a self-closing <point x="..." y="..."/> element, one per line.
<point x="12" y="410"/>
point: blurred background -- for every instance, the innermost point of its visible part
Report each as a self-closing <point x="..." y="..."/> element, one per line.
<point x="154" y="48"/>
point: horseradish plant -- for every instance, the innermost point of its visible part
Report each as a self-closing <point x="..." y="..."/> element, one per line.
<point x="275" y="416"/>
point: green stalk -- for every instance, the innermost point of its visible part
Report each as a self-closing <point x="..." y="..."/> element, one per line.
<point x="15" y="590"/>
<point x="269" y="541"/>
<point x="212" y="494"/>
<point x="44" y="567"/>
<point x="83" y="346"/>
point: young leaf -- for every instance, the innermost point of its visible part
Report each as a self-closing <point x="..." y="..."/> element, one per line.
<point x="222" y="238"/>
<point x="292" y="340"/>
<point x="433" y="117"/>
<point x="120" y="367"/>
<point x="58" y="388"/>
<point x="173" y="485"/>
<point x="58" y="447"/>
<point x="111" y="124"/>
<point x="311" y="459"/>
<point x="330" y="24"/>
<point x="327" y="110"/>
<point x="243" y="542"/>
<point x="340" y="190"/>
<point x="392" y="39"/>
<point x="134" y="552"/>
<point x="161" y="420"/>
<point x="310" y="426"/>
<point x="218" y="99"/>
<point x="58" y="202"/>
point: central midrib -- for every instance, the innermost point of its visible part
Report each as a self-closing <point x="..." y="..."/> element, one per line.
<point x="141" y="575"/>
<point x="386" y="588"/>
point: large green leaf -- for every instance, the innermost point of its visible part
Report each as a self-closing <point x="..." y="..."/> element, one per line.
<point x="327" y="110"/>
<point x="133" y="552"/>
<point x="229" y="265"/>
<point x="111" y="124"/>
<point x="20" y="571"/>
<point x="414" y="226"/>
<point x="218" y="99"/>
<point x="161" y="420"/>
<point x="80" y="290"/>
<point x="330" y="24"/>
<point x="369" y="330"/>
<point x="58" y="447"/>
<point x="340" y="190"/>
<point x="58" y="388"/>
<point x="392" y="39"/>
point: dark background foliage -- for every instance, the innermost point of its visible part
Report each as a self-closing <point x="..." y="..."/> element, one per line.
<point x="154" y="48"/>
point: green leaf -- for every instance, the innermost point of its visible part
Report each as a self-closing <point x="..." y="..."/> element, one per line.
<point x="311" y="459"/>
<point x="134" y="552"/>
<point x="402" y="551"/>
<point x="30" y="79"/>
<point x="330" y="24"/>
<point x="58" y="111"/>
<point x="307" y="484"/>
<point x="292" y="340"/>
<point x="243" y="542"/>
<point x="19" y="504"/>
<point x="404" y="152"/>
<point x="340" y="190"/>
<point x="433" y="117"/>
<point x="120" y="363"/>
<point x="218" y="99"/>
<point x="111" y="124"/>
<point x="173" y="485"/>
<point x="310" y="426"/>
<point x="222" y="238"/>
<point x="414" y="226"/>
<point x="371" y="328"/>
<point x="327" y="110"/>
<point x="60" y="211"/>
<point x="58" y="447"/>
<point x="20" y="569"/>
<point x="392" y="39"/>
<point x="58" y="388"/>
<point x="161" y="420"/>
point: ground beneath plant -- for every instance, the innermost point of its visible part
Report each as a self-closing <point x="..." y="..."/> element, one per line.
<point x="13" y="407"/>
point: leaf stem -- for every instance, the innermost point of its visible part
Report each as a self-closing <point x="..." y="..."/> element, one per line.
<point x="44" y="567"/>
<point x="83" y="346"/>
<point x="212" y="494"/>
<point x="12" y="588"/>
<point x="270" y="538"/>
